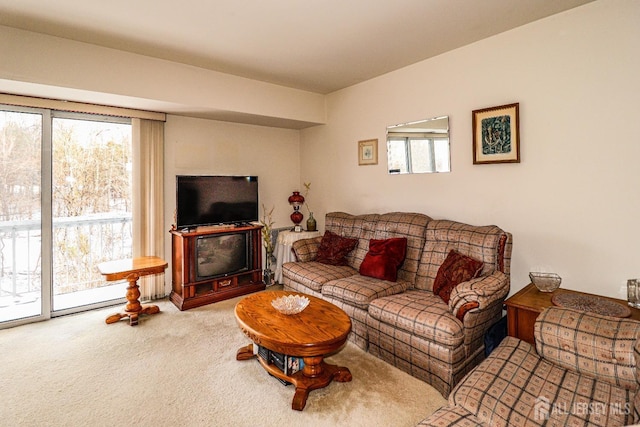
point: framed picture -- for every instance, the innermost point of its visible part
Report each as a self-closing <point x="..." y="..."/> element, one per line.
<point x="368" y="152"/>
<point x="496" y="135"/>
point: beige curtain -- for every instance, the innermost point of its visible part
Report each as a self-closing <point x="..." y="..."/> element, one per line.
<point x="148" y="200"/>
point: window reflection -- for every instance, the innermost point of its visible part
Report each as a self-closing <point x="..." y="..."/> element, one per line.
<point x="419" y="147"/>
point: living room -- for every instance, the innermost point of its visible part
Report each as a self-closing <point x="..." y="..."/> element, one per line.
<point x="570" y="206"/>
<point x="571" y="203"/>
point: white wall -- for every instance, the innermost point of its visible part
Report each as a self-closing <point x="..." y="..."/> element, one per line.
<point x="207" y="147"/>
<point x="573" y="202"/>
<point x="46" y="66"/>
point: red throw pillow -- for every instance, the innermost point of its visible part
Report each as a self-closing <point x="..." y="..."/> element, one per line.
<point x="455" y="269"/>
<point x="334" y="249"/>
<point x="384" y="258"/>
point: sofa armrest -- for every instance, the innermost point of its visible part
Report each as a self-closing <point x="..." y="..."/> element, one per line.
<point x="306" y="249"/>
<point x="480" y="293"/>
<point x="601" y="347"/>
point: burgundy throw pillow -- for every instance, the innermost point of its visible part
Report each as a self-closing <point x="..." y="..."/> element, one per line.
<point x="384" y="258"/>
<point x="334" y="249"/>
<point x="455" y="269"/>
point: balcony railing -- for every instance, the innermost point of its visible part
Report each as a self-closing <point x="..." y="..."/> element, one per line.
<point x="79" y="244"/>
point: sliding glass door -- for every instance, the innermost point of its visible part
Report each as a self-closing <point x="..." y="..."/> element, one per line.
<point x="91" y="206"/>
<point x="21" y="148"/>
<point x="65" y="206"/>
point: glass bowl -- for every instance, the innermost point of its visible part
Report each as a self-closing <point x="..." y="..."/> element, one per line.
<point x="290" y="304"/>
<point x="545" y="282"/>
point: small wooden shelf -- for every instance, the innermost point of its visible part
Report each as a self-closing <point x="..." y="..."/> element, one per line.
<point x="188" y="290"/>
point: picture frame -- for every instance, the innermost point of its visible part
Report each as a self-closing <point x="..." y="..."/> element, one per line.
<point x="496" y="134"/>
<point x="368" y="152"/>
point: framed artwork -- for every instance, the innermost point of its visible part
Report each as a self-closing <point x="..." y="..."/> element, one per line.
<point x="368" y="152"/>
<point x="496" y="135"/>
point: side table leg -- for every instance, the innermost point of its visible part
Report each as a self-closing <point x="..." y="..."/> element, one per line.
<point x="133" y="319"/>
<point x="133" y="309"/>
<point x="133" y="294"/>
<point x="115" y="318"/>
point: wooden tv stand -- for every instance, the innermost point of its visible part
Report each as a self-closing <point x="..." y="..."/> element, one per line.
<point x="189" y="291"/>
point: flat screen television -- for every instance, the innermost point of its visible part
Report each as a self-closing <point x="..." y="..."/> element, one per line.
<point x="222" y="254"/>
<point x="210" y="200"/>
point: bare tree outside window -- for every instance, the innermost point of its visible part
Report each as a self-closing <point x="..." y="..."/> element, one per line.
<point x="91" y="202"/>
<point x="20" y="209"/>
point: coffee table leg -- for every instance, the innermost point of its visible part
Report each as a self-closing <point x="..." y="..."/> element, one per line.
<point x="300" y="398"/>
<point x="313" y="366"/>
<point x="342" y="375"/>
<point x="316" y="374"/>
<point x="245" y="353"/>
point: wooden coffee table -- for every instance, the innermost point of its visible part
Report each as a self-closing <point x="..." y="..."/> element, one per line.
<point x="319" y="330"/>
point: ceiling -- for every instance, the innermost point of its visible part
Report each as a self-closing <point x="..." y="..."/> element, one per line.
<point x="314" y="45"/>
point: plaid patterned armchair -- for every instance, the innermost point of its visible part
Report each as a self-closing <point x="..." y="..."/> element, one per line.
<point x="582" y="372"/>
<point x="404" y="322"/>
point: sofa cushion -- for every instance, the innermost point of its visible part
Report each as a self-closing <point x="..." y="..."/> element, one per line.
<point x="384" y="258"/>
<point x="345" y="224"/>
<point x="334" y="249"/>
<point x="354" y="226"/>
<point x="359" y="290"/>
<point x="484" y="243"/>
<point x="410" y="225"/>
<point x="314" y="274"/>
<point x="306" y="249"/>
<point x="584" y="342"/>
<point x="455" y="269"/>
<point x="382" y="226"/>
<point x="419" y="313"/>
<point x="516" y="387"/>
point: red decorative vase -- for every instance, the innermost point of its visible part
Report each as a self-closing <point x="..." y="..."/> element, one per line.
<point x="296" y="217"/>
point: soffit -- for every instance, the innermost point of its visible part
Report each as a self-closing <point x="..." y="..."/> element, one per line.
<point x="314" y="45"/>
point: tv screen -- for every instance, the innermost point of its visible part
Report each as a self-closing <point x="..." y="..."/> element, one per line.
<point x="221" y="254"/>
<point x="209" y="200"/>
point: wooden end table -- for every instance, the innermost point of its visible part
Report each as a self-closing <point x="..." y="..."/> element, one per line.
<point x="132" y="269"/>
<point x="524" y="307"/>
<point x="319" y="330"/>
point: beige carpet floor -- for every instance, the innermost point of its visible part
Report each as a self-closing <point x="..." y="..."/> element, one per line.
<point x="179" y="369"/>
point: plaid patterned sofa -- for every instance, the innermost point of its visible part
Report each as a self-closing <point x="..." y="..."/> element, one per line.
<point x="582" y="372"/>
<point x="404" y="322"/>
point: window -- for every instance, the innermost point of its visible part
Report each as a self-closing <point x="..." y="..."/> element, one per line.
<point x="65" y="205"/>
<point x="417" y="155"/>
<point x="91" y="205"/>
